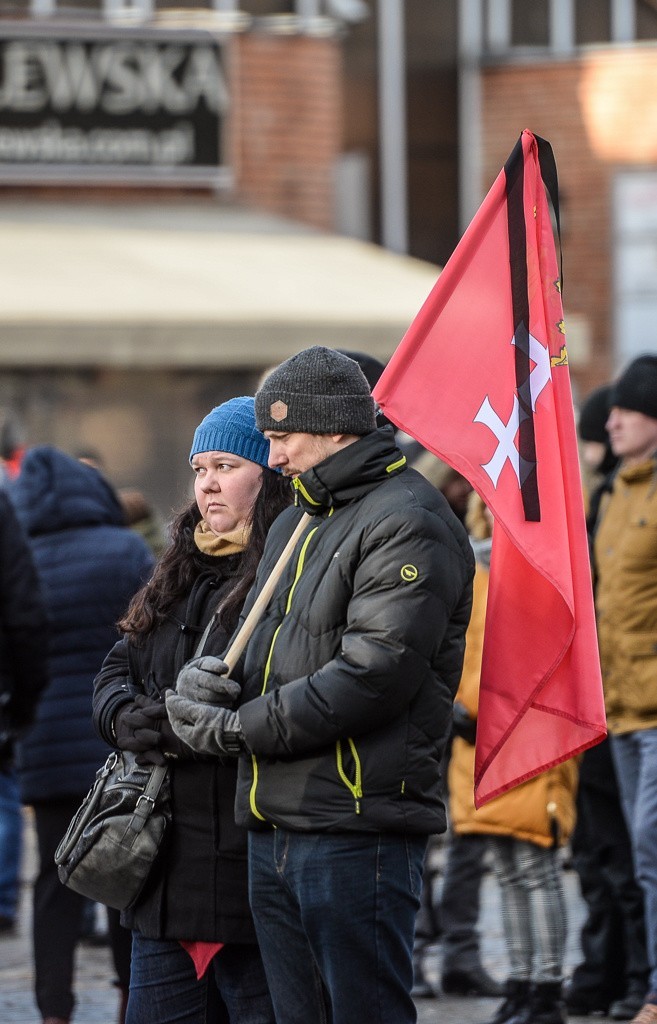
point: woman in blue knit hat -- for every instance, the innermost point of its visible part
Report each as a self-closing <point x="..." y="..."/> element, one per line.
<point x="193" y="936"/>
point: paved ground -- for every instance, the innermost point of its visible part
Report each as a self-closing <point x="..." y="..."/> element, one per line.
<point x="97" y="999"/>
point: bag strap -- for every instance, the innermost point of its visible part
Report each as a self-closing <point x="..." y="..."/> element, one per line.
<point x="145" y="805"/>
<point x="206" y="633"/>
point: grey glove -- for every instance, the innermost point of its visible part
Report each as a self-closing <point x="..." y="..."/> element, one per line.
<point x="204" y="679"/>
<point x="206" y="728"/>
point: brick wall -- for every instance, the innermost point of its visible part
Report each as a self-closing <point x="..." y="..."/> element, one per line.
<point x="599" y="112"/>
<point x="288" y="124"/>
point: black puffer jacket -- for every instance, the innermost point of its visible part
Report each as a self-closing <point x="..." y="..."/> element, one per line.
<point x="23" y="632"/>
<point x="197" y="890"/>
<point x="349" y="678"/>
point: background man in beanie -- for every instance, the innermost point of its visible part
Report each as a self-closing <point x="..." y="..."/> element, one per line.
<point x="346" y="701"/>
<point x="625" y="551"/>
<point x="612" y="976"/>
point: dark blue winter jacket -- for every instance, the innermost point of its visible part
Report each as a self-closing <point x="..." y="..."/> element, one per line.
<point x="89" y="564"/>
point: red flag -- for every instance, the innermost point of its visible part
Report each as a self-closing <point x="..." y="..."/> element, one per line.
<point x="481" y="379"/>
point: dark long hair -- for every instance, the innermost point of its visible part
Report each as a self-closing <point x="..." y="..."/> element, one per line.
<point x="182" y="562"/>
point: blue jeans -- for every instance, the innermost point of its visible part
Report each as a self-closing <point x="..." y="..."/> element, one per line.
<point x="11" y="842"/>
<point x="635" y="760"/>
<point x="164" y="988"/>
<point x="335" y="917"/>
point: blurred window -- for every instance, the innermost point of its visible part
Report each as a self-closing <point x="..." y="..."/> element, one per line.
<point x="592" y="22"/>
<point x="36" y="8"/>
<point x="646" y="19"/>
<point x="530" y="23"/>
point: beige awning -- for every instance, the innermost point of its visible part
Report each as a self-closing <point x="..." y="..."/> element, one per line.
<point x="190" y="285"/>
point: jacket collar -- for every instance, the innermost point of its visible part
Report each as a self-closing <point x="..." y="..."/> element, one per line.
<point x="350" y="473"/>
<point x="638" y="471"/>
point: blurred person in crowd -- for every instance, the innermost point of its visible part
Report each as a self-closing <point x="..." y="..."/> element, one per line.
<point x="524" y="828"/>
<point x="22" y="666"/>
<point x="456" y="901"/>
<point x="89" y="568"/>
<point x="12" y="444"/>
<point x="428" y="928"/>
<point x="596" y="457"/>
<point x="192" y="925"/>
<point x="612" y="977"/>
<point x="347" y="687"/>
<point x="625" y="561"/>
<point x="139" y="513"/>
<point x="448" y="481"/>
<point x="23" y="676"/>
<point x="141" y="517"/>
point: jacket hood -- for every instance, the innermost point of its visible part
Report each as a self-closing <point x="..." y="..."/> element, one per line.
<point x="54" y="492"/>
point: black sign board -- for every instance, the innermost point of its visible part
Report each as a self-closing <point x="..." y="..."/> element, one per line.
<point x="112" y="105"/>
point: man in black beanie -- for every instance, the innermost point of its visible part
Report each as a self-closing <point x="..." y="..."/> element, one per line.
<point x="346" y="699"/>
<point x="625" y="554"/>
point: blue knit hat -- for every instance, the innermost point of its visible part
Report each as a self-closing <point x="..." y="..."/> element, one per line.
<point x="231" y="428"/>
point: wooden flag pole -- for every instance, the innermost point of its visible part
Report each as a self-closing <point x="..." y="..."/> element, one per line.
<point x="236" y="649"/>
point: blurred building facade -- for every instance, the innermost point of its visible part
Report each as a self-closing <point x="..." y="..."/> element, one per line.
<point x="190" y="191"/>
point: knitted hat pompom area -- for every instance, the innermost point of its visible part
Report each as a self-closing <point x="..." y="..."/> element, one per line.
<point x="316" y="391"/>
<point x="231" y="428"/>
<point x="636" y="388"/>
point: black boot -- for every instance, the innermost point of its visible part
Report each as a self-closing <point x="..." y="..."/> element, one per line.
<point x="546" y="1006"/>
<point x="516" y="999"/>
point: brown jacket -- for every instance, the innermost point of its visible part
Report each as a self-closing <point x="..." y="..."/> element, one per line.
<point x="540" y="811"/>
<point x="626" y="598"/>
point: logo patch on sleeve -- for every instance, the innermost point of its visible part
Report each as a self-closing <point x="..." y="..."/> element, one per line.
<point x="409" y="573"/>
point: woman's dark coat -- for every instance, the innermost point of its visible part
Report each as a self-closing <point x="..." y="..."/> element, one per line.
<point x="89" y="566"/>
<point x="197" y="890"/>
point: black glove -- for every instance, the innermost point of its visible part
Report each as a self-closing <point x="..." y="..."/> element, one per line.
<point x="463" y="725"/>
<point x="136" y="725"/>
<point x="170" y="745"/>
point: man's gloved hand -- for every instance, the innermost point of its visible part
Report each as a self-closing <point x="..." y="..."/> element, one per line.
<point x="462" y="724"/>
<point x="206" y="728"/>
<point x="204" y="679"/>
<point x="136" y="725"/>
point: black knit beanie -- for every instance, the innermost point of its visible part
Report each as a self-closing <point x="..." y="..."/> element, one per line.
<point x="317" y="391"/>
<point x="636" y="388"/>
<point x="594" y="414"/>
<point x="372" y="368"/>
